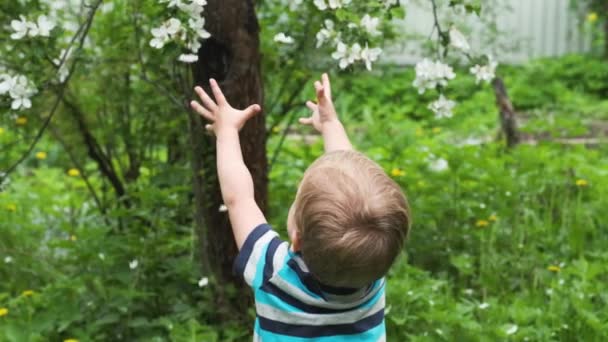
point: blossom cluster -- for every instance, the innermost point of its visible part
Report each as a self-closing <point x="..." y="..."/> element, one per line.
<point x="187" y="34"/>
<point x="436" y="75"/>
<point x="430" y="75"/>
<point x="19" y="88"/>
<point x="349" y="53"/>
<point x="22" y="27"/>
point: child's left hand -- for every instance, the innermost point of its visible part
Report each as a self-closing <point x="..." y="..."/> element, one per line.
<point x="221" y="114"/>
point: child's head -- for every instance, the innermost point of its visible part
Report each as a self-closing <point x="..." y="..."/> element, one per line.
<point x="349" y="220"/>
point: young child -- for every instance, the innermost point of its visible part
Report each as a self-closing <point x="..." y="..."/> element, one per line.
<point x="347" y="225"/>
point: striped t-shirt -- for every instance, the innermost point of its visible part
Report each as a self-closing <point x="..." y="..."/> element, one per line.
<point x="291" y="306"/>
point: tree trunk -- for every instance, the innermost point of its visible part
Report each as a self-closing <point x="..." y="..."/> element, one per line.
<point x="508" y="120"/>
<point x="232" y="57"/>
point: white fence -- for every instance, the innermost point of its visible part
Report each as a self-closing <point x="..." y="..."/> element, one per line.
<point x="533" y="28"/>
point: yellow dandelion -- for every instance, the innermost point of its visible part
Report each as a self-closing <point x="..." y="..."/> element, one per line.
<point x="582" y="183"/>
<point x="74" y="172"/>
<point x="592" y="17"/>
<point x="436" y="130"/>
<point x="554" y="268"/>
<point x="482" y="223"/>
<point x="73" y="237"/>
<point x="395" y="172"/>
<point x="70" y="340"/>
<point x="12" y="207"/>
<point x="27" y="293"/>
<point x="41" y="155"/>
<point x="3" y="312"/>
<point x="1" y="130"/>
<point x="21" y="121"/>
<point x="493" y="218"/>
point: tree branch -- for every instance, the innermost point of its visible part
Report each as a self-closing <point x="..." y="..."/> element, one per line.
<point x="83" y="32"/>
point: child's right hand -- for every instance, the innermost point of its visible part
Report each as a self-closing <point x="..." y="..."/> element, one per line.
<point x="323" y="112"/>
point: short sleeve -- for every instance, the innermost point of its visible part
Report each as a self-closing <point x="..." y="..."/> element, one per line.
<point x="261" y="256"/>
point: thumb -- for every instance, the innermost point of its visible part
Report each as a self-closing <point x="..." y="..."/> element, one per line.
<point x="306" y="121"/>
<point x="251" y="111"/>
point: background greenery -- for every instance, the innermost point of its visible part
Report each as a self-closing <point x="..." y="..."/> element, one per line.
<point x="506" y="244"/>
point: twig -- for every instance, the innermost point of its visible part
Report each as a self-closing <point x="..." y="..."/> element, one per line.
<point x="441" y="35"/>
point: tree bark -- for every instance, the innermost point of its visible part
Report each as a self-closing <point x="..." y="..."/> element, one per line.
<point x="232" y="57"/>
<point x="508" y="120"/>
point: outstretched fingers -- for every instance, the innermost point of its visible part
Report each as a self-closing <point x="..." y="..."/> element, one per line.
<point x="313" y="108"/>
<point x="207" y="101"/>
<point x="217" y="93"/>
<point x="251" y="111"/>
<point x="202" y="111"/>
<point x="326" y="84"/>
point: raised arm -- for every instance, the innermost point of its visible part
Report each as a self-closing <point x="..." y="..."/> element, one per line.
<point x="235" y="179"/>
<point x="325" y="119"/>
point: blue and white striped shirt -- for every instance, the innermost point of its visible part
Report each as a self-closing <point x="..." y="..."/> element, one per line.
<point x="291" y="306"/>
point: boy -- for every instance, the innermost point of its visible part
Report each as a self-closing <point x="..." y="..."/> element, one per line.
<point x="348" y="223"/>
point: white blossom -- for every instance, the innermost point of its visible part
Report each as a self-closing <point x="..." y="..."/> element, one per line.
<point x="283" y="38"/>
<point x="193" y="9"/>
<point x="133" y="264"/>
<point x="346" y="55"/>
<point x="370" y="55"/>
<point x="332" y="4"/>
<point x="21" y="91"/>
<point x="188" y="58"/>
<point x="484" y="306"/>
<point x="161" y="37"/>
<point x="62" y="64"/>
<point x="438" y="165"/>
<point x="8" y="259"/>
<point x="203" y="282"/>
<point x="486" y="72"/>
<point x="20" y="27"/>
<point x="164" y="33"/>
<point x="173" y="26"/>
<point x="442" y="107"/>
<point x="172" y="3"/>
<point x="197" y="24"/>
<point x="223" y="208"/>
<point x="325" y="33"/>
<point x="511" y="329"/>
<point x="101" y="256"/>
<point x="321" y="5"/>
<point x="5" y="83"/>
<point x="458" y="40"/>
<point x="335" y="4"/>
<point x="370" y="24"/>
<point x="430" y="74"/>
<point x="45" y="26"/>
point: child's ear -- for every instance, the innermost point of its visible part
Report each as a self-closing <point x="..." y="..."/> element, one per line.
<point x="295" y="241"/>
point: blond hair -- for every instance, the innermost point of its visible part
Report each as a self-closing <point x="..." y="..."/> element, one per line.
<point x="352" y="219"/>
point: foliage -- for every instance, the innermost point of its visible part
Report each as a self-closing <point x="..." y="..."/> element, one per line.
<point x="500" y="240"/>
<point x="97" y="241"/>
